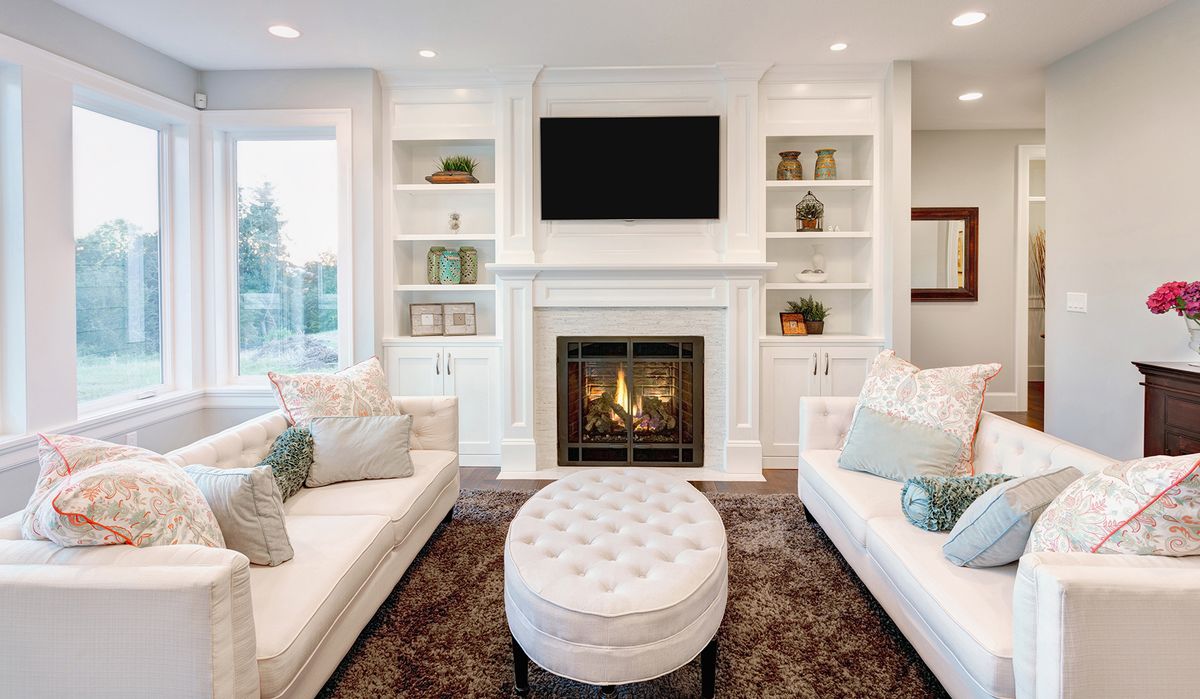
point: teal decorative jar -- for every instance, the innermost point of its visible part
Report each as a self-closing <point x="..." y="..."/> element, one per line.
<point x="433" y="264"/>
<point x="469" y="257"/>
<point x="450" y="268"/>
<point x="826" y="168"/>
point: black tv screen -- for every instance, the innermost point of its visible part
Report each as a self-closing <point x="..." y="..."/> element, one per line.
<point x="630" y="167"/>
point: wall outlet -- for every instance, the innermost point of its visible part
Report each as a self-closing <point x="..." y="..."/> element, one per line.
<point x="1076" y="302"/>
<point x="131" y="438"/>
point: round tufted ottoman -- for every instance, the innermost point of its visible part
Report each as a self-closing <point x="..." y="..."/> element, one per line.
<point x="614" y="576"/>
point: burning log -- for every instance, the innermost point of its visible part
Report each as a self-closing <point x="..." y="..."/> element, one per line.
<point x="659" y="412"/>
<point x="602" y="415"/>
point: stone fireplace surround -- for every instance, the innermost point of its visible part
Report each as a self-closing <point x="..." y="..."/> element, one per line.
<point x="720" y="301"/>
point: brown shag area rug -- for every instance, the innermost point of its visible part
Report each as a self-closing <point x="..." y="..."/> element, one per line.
<point x="798" y="622"/>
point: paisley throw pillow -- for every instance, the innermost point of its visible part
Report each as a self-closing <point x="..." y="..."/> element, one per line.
<point x="1147" y="506"/>
<point x="358" y="391"/>
<point x="290" y="458"/>
<point x="135" y="502"/>
<point x="948" y="399"/>
<point x="62" y="455"/>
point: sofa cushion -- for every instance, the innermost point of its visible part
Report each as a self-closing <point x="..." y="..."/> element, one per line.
<point x="898" y="449"/>
<point x="855" y="497"/>
<point x="401" y="500"/>
<point x="296" y="603"/>
<point x="968" y="609"/>
<point x="355" y="391"/>
<point x="359" y="449"/>
<point x="10" y="526"/>
<point x="249" y="509"/>
<point x="290" y="458"/>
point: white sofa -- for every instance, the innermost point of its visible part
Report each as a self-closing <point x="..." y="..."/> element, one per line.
<point x="192" y="621"/>
<point x="1054" y="625"/>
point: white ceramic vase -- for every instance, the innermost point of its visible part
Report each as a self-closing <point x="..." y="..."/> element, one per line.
<point x="1193" y="327"/>
<point x="818" y="259"/>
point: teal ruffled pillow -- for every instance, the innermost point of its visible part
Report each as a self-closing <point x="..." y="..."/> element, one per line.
<point x="935" y="503"/>
<point x="290" y="458"/>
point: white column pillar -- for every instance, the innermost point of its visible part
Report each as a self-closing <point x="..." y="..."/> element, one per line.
<point x="744" y="189"/>
<point x="743" y="451"/>
<point x="514" y="164"/>
<point x="518" y="451"/>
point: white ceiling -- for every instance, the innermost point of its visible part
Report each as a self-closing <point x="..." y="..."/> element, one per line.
<point x="1003" y="57"/>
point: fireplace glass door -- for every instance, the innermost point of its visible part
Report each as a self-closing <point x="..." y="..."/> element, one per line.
<point x="630" y="401"/>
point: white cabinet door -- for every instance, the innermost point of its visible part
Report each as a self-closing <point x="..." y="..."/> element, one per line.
<point x="788" y="373"/>
<point x="473" y="374"/>
<point x="844" y="369"/>
<point x="415" y="371"/>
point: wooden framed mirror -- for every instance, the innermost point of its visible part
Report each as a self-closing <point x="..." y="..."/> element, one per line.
<point x="945" y="253"/>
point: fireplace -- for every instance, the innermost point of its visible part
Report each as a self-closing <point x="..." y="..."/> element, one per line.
<point x="630" y="401"/>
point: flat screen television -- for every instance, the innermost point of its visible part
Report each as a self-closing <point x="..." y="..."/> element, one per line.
<point x="625" y="168"/>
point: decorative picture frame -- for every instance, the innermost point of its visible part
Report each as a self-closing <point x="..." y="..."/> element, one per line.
<point x="427" y="319"/>
<point x="793" y="324"/>
<point x="459" y="318"/>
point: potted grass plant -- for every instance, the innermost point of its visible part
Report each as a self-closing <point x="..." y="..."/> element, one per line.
<point x="815" y="314"/>
<point x="455" y="169"/>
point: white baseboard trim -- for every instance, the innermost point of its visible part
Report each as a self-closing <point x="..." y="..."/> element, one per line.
<point x="689" y="474"/>
<point x="1000" y="402"/>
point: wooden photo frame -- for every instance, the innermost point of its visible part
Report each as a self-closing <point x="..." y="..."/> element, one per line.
<point x="459" y="318"/>
<point x="793" y="324"/>
<point x="427" y="319"/>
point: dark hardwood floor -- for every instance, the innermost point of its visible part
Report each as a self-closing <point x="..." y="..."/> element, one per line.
<point x="778" y="481"/>
<point x="1036" y="414"/>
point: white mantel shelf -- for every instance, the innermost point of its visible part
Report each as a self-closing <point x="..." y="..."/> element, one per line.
<point x="642" y="269"/>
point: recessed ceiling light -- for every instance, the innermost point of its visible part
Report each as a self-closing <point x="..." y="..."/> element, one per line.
<point x="839" y="46"/>
<point x="283" y="31"/>
<point x="427" y="53"/>
<point x="966" y="19"/>
<point x="970" y="96"/>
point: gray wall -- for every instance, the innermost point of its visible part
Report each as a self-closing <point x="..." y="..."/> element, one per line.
<point x="1123" y="148"/>
<point x="972" y="168"/>
<point x="58" y="30"/>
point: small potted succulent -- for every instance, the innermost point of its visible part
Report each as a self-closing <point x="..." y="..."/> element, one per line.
<point x="815" y="314"/>
<point x="455" y="169"/>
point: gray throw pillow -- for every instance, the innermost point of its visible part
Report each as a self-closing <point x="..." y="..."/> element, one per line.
<point x="249" y="510"/>
<point x="359" y="448"/>
<point x="995" y="528"/>
<point x="935" y="503"/>
<point x="897" y="449"/>
<point x="290" y="458"/>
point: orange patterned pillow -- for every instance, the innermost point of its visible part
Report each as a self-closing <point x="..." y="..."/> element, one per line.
<point x="358" y="391"/>
<point x="134" y="502"/>
<point x="61" y="456"/>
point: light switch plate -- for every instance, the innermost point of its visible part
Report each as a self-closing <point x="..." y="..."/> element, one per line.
<point x="1076" y="302"/>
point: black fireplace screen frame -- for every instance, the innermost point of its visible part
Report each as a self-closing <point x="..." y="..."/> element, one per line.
<point x="696" y="445"/>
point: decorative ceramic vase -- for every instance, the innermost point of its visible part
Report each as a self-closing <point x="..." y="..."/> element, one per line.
<point x="810" y="213"/>
<point x="818" y="259"/>
<point x="826" y="168"/>
<point x="789" y="167"/>
<point x="433" y="264"/>
<point x="469" y="257"/>
<point x="450" y="268"/>
<point x="1193" y="327"/>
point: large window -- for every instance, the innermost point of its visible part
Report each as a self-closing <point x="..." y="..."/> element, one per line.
<point x="287" y="242"/>
<point x="118" y="304"/>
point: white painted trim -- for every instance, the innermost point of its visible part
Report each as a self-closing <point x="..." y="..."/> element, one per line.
<point x="1025" y="155"/>
<point x="690" y="474"/>
<point x="1001" y="402"/>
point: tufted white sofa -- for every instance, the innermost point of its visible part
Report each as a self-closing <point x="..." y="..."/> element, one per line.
<point x="200" y="622"/>
<point x="1054" y="625"/>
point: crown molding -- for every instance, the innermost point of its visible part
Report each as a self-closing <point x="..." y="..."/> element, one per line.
<point x="743" y="71"/>
<point x="629" y="74"/>
<point x="516" y="75"/>
<point x="400" y="78"/>
<point x="808" y="73"/>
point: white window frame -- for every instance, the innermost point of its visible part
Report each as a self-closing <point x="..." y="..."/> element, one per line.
<point x="222" y="130"/>
<point x="168" y="190"/>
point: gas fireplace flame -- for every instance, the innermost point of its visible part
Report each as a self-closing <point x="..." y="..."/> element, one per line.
<point x="622" y="394"/>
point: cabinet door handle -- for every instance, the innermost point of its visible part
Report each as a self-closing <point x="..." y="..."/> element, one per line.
<point x="437" y="364"/>
<point x="827" y="364"/>
<point x="816" y="363"/>
<point x="449" y="358"/>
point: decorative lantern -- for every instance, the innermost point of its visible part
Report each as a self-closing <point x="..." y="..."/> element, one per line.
<point x="810" y="214"/>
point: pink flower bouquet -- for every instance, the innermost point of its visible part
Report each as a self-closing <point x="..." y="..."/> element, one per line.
<point x="1181" y="297"/>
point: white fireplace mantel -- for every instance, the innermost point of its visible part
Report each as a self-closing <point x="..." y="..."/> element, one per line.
<point x="736" y="287"/>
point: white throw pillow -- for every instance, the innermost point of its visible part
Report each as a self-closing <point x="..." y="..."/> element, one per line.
<point x="359" y="448"/>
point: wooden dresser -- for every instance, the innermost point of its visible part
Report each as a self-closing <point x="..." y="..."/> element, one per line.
<point x="1172" y="407"/>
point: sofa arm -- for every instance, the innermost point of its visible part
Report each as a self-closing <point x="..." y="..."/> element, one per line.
<point x="435" y="421"/>
<point x="824" y="421"/>
<point x="1104" y="625"/>
<point x="168" y="621"/>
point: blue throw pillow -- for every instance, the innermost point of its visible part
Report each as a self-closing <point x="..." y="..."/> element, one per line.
<point x="897" y="449"/>
<point x="995" y="528"/>
<point x="935" y="503"/>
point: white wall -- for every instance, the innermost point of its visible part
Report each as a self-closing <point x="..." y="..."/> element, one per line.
<point x="1123" y="149"/>
<point x="58" y="30"/>
<point x="973" y="168"/>
<point x="354" y="88"/>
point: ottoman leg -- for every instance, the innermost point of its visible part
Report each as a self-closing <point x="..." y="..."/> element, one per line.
<point x="708" y="670"/>
<point x="520" y="670"/>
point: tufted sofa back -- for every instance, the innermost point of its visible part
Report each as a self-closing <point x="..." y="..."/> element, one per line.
<point x="1003" y="446"/>
<point x="435" y="426"/>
